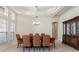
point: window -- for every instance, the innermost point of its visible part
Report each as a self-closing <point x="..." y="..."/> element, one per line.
<point x="12" y="27"/>
<point x="7" y="25"/>
<point x="3" y="30"/>
<point x="12" y="30"/>
<point x="2" y="10"/>
<point x="12" y="15"/>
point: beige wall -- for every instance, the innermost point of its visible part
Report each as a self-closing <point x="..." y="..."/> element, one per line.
<point x="23" y="24"/>
<point x="44" y="27"/>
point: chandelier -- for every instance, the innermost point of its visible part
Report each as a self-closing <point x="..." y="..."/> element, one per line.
<point x="36" y="21"/>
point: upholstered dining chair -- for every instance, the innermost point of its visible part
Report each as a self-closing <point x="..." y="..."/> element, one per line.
<point x="31" y="35"/>
<point x="19" y="40"/>
<point x="37" y="34"/>
<point x="36" y="41"/>
<point x="31" y="39"/>
<point x="46" y="41"/>
<point x="42" y="34"/>
<point x="26" y="42"/>
<point x="52" y="41"/>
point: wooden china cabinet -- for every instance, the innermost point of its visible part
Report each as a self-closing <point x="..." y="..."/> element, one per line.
<point x="71" y="32"/>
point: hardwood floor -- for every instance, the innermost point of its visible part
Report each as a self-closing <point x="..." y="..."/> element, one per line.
<point x="11" y="47"/>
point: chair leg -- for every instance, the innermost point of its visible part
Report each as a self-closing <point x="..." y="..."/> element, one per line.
<point x="18" y="46"/>
<point x="54" y="45"/>
<point x="39" y="48"/>
<point x="49" y="48"/>
<point x="29" y="49"/>
<point x="34" y="49"/>
<point x="23" y="49"/>
<point x="43" y="49"/>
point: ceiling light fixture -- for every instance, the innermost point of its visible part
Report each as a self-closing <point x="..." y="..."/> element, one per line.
<point x="36" y="21"/>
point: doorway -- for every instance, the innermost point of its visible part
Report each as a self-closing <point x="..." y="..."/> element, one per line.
<point x="55" y="30"/>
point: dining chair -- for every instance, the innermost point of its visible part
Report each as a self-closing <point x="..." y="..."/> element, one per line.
<point x="42" y="34"/>
<point x="31" y="39"/>
<point x="52" y="41"/>
<point x="26" y="42"/>
<point x="36" y="41"/>
<point x="46" y="42"/>
<point x="37" y="34"/>
<point x="31" y="35"/>
<point x="19" y="40"/>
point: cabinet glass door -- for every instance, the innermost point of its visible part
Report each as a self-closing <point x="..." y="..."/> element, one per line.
<point x="73" y="28"/>
<point x="64" y="29"/>
<point x="77" y="28"/>
<point x="68" y="29"/>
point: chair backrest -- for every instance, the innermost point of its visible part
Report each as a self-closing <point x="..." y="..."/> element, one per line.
<point x="18" y="36"/>
<point x="36" y="41"/>
<point x="46" y="40"/>
<point x="26" y="41"/>
<point x="36" y="34"/>
<point x="52" y="40"/>
<point x="19" y="39"/>
<point x="42" y="34"/>
<point x="31" y="35"/>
